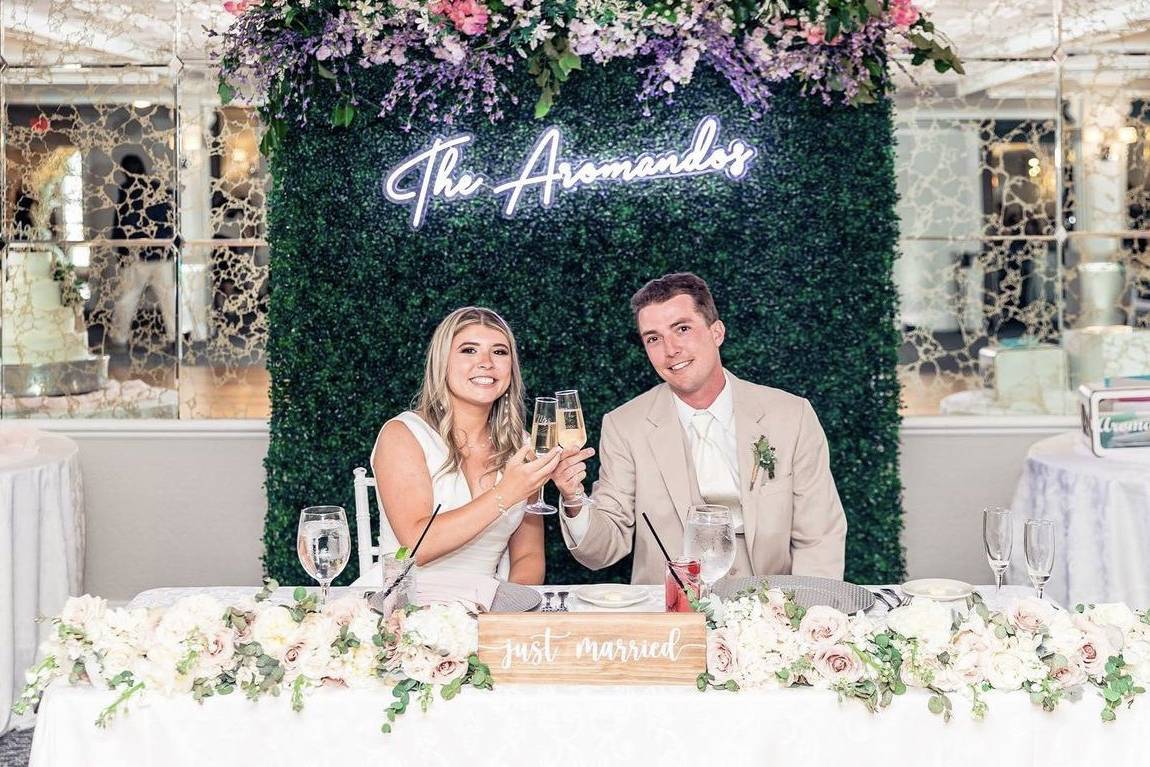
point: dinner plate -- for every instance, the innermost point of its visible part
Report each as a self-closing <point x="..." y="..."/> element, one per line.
<point x="612" y="594"/>
<point x="809" y="590"/>
<point x="938" y="589"/>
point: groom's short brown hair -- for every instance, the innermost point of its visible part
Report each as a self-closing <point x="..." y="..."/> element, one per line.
<point x="678" y="284"/>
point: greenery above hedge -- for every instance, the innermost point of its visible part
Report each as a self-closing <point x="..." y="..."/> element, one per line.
<point x="798" y="254"/>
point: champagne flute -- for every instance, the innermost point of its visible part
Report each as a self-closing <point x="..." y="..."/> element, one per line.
<point x="998" y="536"/>
<point x="572" y="432"/>
<point x="1038" y="540"/>
<point x="544" y="438"/>
<point x="710" y="539"/>
<point x="323" y="544"/>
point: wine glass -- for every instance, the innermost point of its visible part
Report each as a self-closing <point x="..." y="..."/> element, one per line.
<point x="543" y="439"/>
<point x="1038" y="540"/>
<point x="323" y="544"/>
<point x="572" y="433"/>
<point x="998" y="536"/>
<point x="710" y="539"/>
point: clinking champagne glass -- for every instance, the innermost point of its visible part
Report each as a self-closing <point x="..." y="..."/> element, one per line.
<point x="998" y="536"/>
<point x="1038" y="540"/>
<point x="710" y="539"/>
<point x="323" y="544"/>
<point x="572" y="433"/>
<point x="544" y="438"/>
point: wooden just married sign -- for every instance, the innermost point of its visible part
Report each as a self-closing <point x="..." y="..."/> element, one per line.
<point x="594" y="648"/>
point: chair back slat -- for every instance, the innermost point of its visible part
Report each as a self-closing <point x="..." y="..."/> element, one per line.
<point x="367" y="552"/>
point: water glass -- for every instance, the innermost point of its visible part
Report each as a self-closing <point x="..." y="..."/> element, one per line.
<point x="404" y="588"/>
<point x="998" y="537"/>
<point x="323" y="544"/>
<point x="710" y="539"/>
<point x="1039" y="544"/>
<point x="676" y="600"/>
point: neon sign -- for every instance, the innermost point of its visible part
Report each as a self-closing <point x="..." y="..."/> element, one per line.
<point x="437" y="172"/>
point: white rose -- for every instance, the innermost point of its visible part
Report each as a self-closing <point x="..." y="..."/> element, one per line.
<point x="824" y="624"/>
<point x="928" y="622"/>
<point x="720" y="655"/>
<point x="1007" y="669"/>
<point x="83" y="612"/>
<point x="275" y="630"/>
<point x="1030" y="614"/>
<point x="419" y="664"/>
<point x="447" y="629"/>
<point x="343" y="610"/>
<point x="1113" y="614"/>
<point x="838" y="664"/>
<point x="160" y="674"/>
<point x="1137" y="657"/>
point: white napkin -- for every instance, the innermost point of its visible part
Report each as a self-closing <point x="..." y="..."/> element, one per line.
<point x="476" y="592"/>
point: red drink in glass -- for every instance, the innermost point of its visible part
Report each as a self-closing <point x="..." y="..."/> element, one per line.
<point x="688" y="570"/>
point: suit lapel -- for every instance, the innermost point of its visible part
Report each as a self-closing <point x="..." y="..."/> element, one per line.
<point x="748" y="428"/>
<point x="666" y="441"/>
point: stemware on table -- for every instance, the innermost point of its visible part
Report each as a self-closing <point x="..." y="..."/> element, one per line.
<point x="1038" y="541"/>
<point x="710" y="539"/>
<point x="323" y="544"/>
<point x="998" y="538"/>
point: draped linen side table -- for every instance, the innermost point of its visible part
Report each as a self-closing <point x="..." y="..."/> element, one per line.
<point x="1101" y="513"/>
<point x="41" y="548"/>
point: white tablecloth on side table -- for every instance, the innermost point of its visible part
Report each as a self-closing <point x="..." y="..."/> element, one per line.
<point x="576" y="725"/>
<point x="41" y="552"/>
<point x="1101" y="511"/>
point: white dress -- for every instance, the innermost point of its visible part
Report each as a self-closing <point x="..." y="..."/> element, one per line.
<point x="484" y="554"/>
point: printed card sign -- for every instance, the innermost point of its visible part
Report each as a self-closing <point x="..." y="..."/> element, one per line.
<point x="594" y="648"/>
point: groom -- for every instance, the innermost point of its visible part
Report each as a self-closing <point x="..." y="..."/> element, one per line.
<point x="692" y="440"/>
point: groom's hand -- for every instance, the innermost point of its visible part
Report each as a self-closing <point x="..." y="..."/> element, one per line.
<point x="571" y="472"/>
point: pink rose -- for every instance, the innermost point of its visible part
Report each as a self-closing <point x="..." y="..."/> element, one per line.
<point x="903" y="13"/>
<point x="468" y="16"/>
<point x="1030" y="615"/>
<point x="1070" y="675"/>
<point x="720" y="656"/>
<point x="236" y="7"/>
<point x="838" y="664"/>
<point x="824" y="624"/>
<point x="448" y="670"/>
<point x="816" y="34"/>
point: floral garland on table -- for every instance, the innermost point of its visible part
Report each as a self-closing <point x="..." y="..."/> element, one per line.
<point x="452" y="58"/>
<point x="757" y="640"/>
<point x="764" y="639"/>
<point x="261" y="648"/>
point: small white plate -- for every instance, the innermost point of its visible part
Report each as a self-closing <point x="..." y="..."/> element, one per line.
<point x="938" y="589"/>
<point x="611" y="594"/>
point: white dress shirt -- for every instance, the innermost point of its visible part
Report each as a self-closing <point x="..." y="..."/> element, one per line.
<point x="722" y="432"/>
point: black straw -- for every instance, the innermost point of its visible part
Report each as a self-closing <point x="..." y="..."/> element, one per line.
<point x="425" y="529"/>
<point x="666" y="556"/>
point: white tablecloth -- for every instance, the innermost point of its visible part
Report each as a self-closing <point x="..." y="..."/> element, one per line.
<point x="41" y="552"/>
<point x="1101" y="511"/>
<point x="560" y="725"/>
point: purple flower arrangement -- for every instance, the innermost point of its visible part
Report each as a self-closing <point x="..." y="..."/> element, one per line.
<point x="455" y="58"/>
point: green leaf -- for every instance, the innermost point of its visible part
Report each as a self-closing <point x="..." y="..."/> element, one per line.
<point x="402" y="553"/>
<point x="226" y="92"/>
<point x="935" y="704"/>
<point x="324" y="72"/>
<point x="570" y="61"/>
<point x="874" y="8"/>
<point x="1108" y="715"/>
<point x="832" y="28"/>
<point x="300" y="594"/>
<point x="543" y="105"/>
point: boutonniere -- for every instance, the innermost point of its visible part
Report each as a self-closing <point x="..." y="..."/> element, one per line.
<point x="764" y="459"/>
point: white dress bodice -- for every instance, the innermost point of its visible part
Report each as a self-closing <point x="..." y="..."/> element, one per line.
<point x="483" y="554"/>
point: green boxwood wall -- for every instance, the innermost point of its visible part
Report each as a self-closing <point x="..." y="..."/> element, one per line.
<point x="798" y="254"/>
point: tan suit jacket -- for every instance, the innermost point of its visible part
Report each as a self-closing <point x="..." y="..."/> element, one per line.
<point x="793" y="523"/>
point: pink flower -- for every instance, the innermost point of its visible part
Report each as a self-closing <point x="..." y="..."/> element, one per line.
<point x="41" y="124"/>
<point x="468" y="16"/>
<point x="816" y="34"/>
<point x="236" y="7"/>
<point x="903" y="13"/>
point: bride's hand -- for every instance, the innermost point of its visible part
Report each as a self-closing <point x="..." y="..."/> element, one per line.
<point x="523" y="477"/>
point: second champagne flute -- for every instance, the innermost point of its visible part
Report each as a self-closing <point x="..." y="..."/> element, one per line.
<point x="572" y="432"/>
<point x="544" y="437"/>
<point x="1038" y="540"/>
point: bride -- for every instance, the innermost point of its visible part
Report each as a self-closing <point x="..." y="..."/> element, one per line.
<point x="463" y="446"/>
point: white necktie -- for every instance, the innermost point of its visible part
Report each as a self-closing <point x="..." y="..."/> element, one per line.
<point x="717" y="482"/>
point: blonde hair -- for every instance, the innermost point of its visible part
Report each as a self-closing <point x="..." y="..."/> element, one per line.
<point x="433" y="404"/>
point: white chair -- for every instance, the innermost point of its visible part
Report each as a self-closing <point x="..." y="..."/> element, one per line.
<point x="368" y="554"/>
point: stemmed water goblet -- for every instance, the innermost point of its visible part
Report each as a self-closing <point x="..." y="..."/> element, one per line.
<point x="710" y="540"/>
<point x="323" y="544"/>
